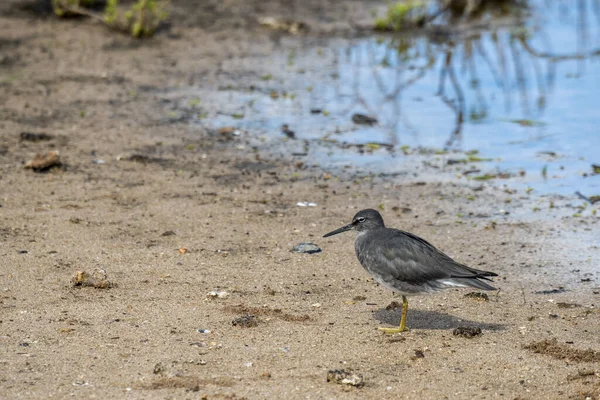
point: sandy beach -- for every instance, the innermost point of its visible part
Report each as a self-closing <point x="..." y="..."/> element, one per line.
<point x="187" y="234"/>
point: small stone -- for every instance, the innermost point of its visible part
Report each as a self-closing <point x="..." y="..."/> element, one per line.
<point x="246" y="321"/>
<point x="307" y="248"/>
<point x="43" y="162"/>
<point x="467" y="332"/>
<point x="218" y="294"/>
<point x="344" y="377"/>
<point x="97" y="279"/>
<point x="205" y="331"/>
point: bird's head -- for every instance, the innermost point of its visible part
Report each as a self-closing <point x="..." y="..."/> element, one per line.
<point x="364" y="220"/>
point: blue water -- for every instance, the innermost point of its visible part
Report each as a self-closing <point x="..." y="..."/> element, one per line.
<point x="527" y="94"/>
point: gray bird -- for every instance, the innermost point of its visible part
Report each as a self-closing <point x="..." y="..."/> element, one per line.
<point x="406" y="263"/>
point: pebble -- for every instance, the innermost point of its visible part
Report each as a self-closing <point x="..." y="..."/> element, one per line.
<point x="307" y="248"/>
<point x="218" y="294"/>
<point x="344" y="377"/>
<point x="306" y="204"/>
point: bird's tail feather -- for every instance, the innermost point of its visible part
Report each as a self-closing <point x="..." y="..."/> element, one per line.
<point x="470" y="282"/>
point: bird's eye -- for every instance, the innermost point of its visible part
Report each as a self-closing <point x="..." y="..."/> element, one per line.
<point x="360" y="219"/>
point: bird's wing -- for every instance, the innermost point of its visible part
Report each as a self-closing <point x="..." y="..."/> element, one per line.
<point x="411" y="259"/>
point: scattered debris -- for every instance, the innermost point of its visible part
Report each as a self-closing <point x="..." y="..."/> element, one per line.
<point x="561" y="304"/>
<point x="552" y="348"/>
<point x="285" y="129"/>
<point x="477" y="296"/>
<point x="270" y="312"/>
<point x="344" y="377"/>
<point x="306" y="247"/>
<point x="397" y="339"/>
<point x="527" y="122"/>
<point x="215" y="294"/>
<point x="467" y="332"/>
<point x="229" y="132"/>
<point x="361" y="119"/>
<point x="306" y="204"/>
<point x="582" y="373"/>
<point x="98" y="279"/>
<point x="43" y="162"/>
<point x="159" y="368"/>
<point x="268" y="290"/>
<point x="142" y="159"/>
<point x="35" y="137"/>
<point x="484" y="177"/>
<point x="183" y="250"/>
<point x="394" y="305"/>
<point x="224" y="253"/>
<point x="550" y="291"/>
<point x="286" y="25"/>
<point x="418" y="354"/>
<point x="246" y="321"/>
<point x="591" y="199"/>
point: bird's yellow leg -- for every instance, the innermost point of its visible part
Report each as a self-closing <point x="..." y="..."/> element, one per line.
<point x="402" y="326"/>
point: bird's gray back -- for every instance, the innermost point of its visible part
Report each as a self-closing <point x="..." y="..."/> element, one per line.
<point x="409" y="264"/>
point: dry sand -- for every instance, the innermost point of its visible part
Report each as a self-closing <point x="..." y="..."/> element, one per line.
<point x="190" y="214"/>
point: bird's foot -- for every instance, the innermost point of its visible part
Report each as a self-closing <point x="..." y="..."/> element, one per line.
<point x="391" y="331"/>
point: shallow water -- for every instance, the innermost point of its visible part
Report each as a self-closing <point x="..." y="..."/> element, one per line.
<point x="524" y="95"/>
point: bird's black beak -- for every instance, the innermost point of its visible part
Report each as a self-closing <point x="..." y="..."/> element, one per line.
<point x="339" y="230"/>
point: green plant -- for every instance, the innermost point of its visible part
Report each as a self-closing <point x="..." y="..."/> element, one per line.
<point x="145" y="16"/>
<point x="62" y="7"/>
<point x="140" y="20"/>
<point x="110" y="12"/>
<point x="400" y="15"/>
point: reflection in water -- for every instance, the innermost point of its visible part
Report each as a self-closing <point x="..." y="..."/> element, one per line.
<point x="519" y="57"/>
<point x="512" y="85"/>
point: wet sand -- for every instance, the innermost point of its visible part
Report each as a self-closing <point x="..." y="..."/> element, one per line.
<point x="194" y="229"/>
